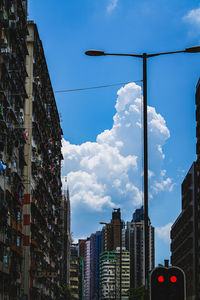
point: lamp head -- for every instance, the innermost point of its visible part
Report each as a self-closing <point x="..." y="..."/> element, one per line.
<point x="94" y="53"/>
<point x="194" y="49"/>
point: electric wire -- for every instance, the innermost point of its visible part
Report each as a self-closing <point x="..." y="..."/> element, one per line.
<point x="95" y="87"/>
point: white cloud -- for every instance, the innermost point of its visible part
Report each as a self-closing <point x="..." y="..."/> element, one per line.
<point x="163" y="184"/>
<point x="112" y="5"/>
<point x="164" y="232"/>
<point x="193" y="16"/>
<point x="108" y="172"/>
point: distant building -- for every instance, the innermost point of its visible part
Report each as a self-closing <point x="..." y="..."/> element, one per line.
<point x="81" y="280"/>
<point x="81" y="248"/>
<point x="107" y="275"/>
<point x="95" y="251"/>
<point x="97" y="271"/>
<point x="112" y="232"/>
<point x="93" y="266"/>
<point x="81" y="254"/>
<point x="87" y="283"/>
<point x="113" y="265"/>
<point x="75" y="283"/>
<point x="134" y="241"/>
<point x="124" y="265"/>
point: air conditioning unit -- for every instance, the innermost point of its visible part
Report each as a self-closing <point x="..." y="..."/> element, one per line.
<point x="21" y="112"/>
<point x="12" y="24"/>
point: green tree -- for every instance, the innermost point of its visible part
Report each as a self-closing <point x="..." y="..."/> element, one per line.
<point x="137" y="293"/>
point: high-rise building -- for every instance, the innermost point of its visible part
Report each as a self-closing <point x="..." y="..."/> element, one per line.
<point x="112" y="232"/>
<point x="81" y="248"/>
<point x="107" y="275"/>
<point x="13" y="51"/>
<point x="87" y="285"/>
<point x="123" y="271"/>
<point x="98" y="253"/>
<point x="81" y="280"/>
<point x="42" y="238"/>
<point x="184" y="234"/>
<point x="114" y="274"/>
<point x="75" y="283"/>
<point x="92" y="265"/>
<point x="66" y="238"/>
<point x="134" y="241"/>
<point x="30" y="163"/>
<point x="81" y="254"/>
<point x="95" y="251"/>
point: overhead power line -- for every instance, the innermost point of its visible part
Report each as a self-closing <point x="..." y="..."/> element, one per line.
<point x="95" y="87"/>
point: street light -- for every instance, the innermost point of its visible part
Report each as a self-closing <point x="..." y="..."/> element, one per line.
<point x="144" y="56"/>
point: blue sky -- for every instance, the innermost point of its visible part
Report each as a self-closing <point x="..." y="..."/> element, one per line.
<point x="102" y="134"/>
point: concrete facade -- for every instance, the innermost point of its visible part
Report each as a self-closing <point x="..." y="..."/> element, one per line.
<point x="13" y="51"/>
<point x="184" y="235"/>
<point x="42" y="239"/>
<point x="111" y="262"/>
<point x="65" y="228"/>
<point x="185" y="232"/>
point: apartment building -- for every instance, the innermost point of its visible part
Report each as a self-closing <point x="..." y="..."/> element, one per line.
<point x="112" y="231"/>
<point x="134" y="241"/>
<point x="13" y="51"/>
<point x="115" y="274"/>
<point x="87" y="278"/>
<point x="65" y="228"/>
<point x="42" y="237"/>
<point x="75" y="272"/>
<point x="95" y="251"/>
<point x="107" y="275"/>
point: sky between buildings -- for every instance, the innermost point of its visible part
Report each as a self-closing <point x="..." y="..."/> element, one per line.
<point x="102" y="141"/>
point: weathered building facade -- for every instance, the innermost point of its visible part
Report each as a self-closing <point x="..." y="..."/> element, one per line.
<point x="42" y="195"/>
<point x="65" y="228"/>
<point x="33" y="255"/>
<point x="13" y="51"/>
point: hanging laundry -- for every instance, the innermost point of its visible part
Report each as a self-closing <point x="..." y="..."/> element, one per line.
<point x="25" y="133"/>
<point x="2" y="167"/>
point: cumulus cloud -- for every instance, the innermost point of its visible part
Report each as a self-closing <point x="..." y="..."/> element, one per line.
<point x="164" y="232"/>
<point x="109" y="172"/>
<point x="112" y="5"/>
<point x="193" y="17"/>
<point x="164" y="183"/>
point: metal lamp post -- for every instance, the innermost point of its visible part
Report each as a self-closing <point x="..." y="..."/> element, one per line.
<point x="144" y="56"/>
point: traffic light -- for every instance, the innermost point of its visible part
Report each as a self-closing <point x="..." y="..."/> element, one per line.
<point x="167" y="284"/>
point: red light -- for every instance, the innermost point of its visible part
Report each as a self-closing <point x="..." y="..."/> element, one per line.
<point x="173" y="279"/>
<point x="161" y="278"/>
